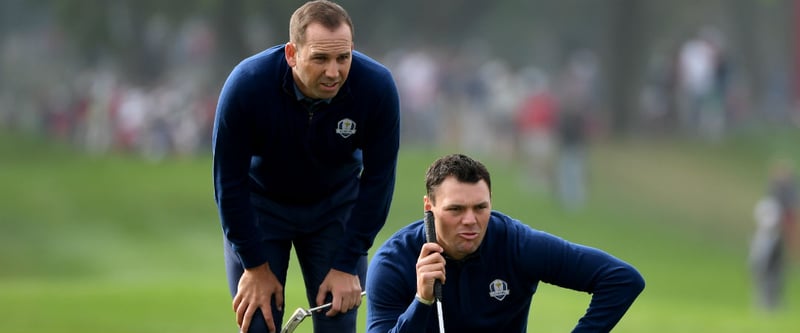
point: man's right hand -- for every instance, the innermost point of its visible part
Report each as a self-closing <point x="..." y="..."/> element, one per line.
<point x="430" y="267"/>
<point x="256" y="288"/>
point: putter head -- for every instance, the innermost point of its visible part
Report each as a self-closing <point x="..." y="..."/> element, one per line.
<point x="300" y="314"/>
<point x="295" y="320"/>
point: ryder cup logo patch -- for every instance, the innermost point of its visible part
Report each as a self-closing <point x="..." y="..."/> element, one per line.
<point x="498" y="289"/>
<point x="346" y="127"/>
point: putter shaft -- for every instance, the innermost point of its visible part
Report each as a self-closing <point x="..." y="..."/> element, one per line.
<point x="300" y="314"/>
<point x="441" y="315"/>
<point x="328" y="305"/>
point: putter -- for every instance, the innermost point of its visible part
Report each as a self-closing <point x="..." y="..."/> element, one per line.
<point x="300" y="314"/>
<point x="430" y="237"/>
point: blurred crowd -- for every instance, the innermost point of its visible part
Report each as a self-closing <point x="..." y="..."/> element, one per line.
<point x="97" y="108"/>
<point x="464" y="97"/>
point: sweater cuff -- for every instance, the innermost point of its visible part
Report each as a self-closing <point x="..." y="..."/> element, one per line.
<point x="423" y="301"/>
<point x="345" y="265"/>
<point x="251" y="256"/>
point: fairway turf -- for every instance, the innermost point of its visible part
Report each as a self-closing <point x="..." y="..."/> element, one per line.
<point x="116" y="243"/>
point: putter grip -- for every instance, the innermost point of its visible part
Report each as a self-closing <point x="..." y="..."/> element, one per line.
<point x="430" y="227"/>
<point x="430" y="237"/>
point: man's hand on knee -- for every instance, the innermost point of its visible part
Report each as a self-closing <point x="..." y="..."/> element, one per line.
<point x="256" y="288"/>
<point x="345" y="289"/>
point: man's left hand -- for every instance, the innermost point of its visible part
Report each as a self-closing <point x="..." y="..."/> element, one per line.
<point x="346" y="291"/>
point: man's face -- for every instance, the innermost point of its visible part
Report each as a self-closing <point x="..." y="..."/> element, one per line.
<point x="462" y="214"/>
<point x="321" y="64"/>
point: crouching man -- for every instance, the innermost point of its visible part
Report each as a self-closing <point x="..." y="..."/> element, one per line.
<point x="489" y="264"/>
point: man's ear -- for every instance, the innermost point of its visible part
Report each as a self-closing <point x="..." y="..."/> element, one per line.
<point x="290" y="51"/>
<point x="427" y="205"/>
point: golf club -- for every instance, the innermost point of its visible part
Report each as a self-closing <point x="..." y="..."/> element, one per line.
<point x="430" y="236"/>
<point x="300" y="314"/>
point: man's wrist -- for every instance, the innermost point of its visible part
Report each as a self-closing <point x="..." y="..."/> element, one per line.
<point x="422" y="300"/>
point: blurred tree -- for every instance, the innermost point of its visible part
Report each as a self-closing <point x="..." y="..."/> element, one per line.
<point x="131" y="32"/>
<point x="227" y="17"/>
<point x="136" y="32"/>
<point x="625" y="61"/>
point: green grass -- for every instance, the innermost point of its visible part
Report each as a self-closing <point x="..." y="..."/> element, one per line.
<point x="115" y="243"/>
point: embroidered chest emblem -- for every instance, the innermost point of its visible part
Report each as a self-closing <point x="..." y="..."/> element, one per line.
<point x="346" y="127"/>
<point x="498" y="289"/>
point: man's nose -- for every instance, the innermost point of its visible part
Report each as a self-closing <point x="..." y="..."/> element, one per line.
<point x="332" y="69"/>
<point x="470" y="217"/>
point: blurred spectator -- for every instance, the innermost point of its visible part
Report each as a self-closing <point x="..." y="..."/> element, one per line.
<point x="767" y="254"/>
<point x="418" y="84"/>
<point x="657" y="97"/>
<point x="577" y="101"/>
<point x="535" y="122"/>
<point x="775" y="217"/>
<point x="571" y="172"/>
<point x="783" y="187"/>
<point x="703" y="78"/>
<point x="504" y="93"/>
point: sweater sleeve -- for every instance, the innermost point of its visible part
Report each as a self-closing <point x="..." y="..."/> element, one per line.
<point x="613" y="283"/>
<point x="380" y="148"/>
<point x="231" y="146"/>
<point x="391" y="286"/>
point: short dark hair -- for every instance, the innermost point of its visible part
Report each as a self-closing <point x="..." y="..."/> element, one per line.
<point x="327" y="13"/>
<point x="463" y="167"/>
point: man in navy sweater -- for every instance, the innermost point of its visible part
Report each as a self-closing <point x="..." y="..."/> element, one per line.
<point x="490" y="265"/>
<point x="305" y="147"/>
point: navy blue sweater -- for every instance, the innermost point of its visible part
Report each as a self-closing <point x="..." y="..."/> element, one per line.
<point x="492" y="289"/>
<point x="267" y="145"/>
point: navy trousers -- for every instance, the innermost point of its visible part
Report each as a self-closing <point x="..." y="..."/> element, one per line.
<point x="315" y="236"/>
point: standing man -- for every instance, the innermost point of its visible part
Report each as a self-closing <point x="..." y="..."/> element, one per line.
<point x="489" y="264"/>
<point x="305" y="148"/>
<point x="774" y="241"/>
